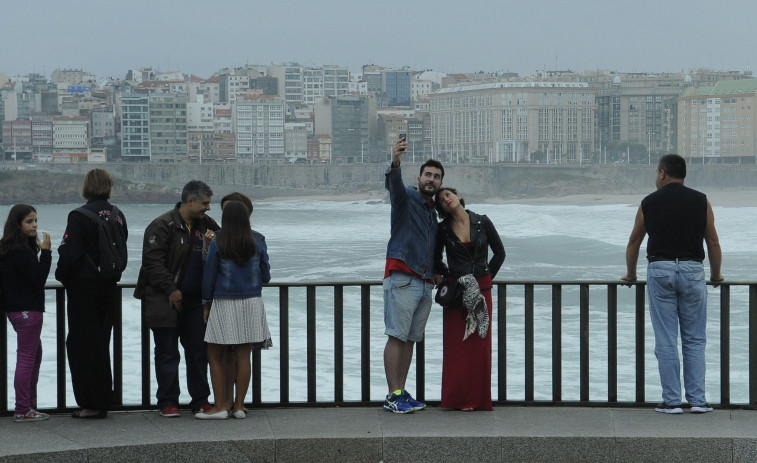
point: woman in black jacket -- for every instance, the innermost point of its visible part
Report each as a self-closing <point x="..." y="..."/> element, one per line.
<point x="91" y="298"/>
<point x="23" y="278"/>
<point x="467" y="362"/>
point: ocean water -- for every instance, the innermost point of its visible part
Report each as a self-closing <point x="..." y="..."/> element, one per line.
<point x="315" y="241"/>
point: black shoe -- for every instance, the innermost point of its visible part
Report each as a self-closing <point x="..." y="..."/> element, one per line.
<point x="88" y="414"/>
<point x="662" y="407"/>
<point x="705" y="408"/>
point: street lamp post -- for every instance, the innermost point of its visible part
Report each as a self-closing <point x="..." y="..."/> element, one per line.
<point x="649" y="147"/>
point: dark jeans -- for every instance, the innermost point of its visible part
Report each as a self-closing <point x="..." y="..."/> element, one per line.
<point x="91" y="305"/>
<point x="190" y="330"/>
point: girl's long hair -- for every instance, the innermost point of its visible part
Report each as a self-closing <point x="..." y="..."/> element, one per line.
<point x="12" y="238"/>
<point x="236" y="242"/>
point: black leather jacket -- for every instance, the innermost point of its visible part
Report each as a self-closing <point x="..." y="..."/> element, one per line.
<point x="461" y="261"/>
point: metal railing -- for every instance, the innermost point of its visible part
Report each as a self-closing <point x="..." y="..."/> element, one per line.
<point x="551" y="290"/>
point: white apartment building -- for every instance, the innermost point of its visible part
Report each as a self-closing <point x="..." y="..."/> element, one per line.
<point x="324" y="81"/>
<point x="258" y="122"/>
<point x="290" y="79"/>
<point x="550" y="122"/>
<point x="231" y="86"/>
<point x="295" y="142"/>
<point x="70" y="139"/>
<point x="718" y="124"/>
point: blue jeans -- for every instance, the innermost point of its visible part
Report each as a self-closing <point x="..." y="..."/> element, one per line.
<point x="678" y="298"/>
<point x="407" y="305"/>
<point x="190" y="330"/>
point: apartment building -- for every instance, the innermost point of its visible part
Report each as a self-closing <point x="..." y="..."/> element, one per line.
<point x="200" y="133"/>
<point x="718" y="124"/>
<point x="290" y="79"/>
<point x="295" y="142"/>
<point x="70" y="139"/>
<point x="319" y="82"/>
<point x="168" y="127"/>
<point x="550" y="122"/>
<point x="350" y="121"/>
<point x="135" y="127"/>
<point x="259" y="126"/>
<point x="232" y="85"/>
<point x="396" y="86"/>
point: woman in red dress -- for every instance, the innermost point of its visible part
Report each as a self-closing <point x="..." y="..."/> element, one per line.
<point x="466" y="237"/>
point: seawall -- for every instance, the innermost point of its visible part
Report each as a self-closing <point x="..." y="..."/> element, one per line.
<point x="476" y="181"/>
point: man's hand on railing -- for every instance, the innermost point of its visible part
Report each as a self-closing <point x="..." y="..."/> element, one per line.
<point x="715" y="280"/>
<point x="629" y="278"/>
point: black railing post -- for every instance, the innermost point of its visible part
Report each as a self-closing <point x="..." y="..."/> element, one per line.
<point x="529" y="340"/>
<point x="339" y="343"/>
<point x="753" y="345"/>
<point x="501" y="343"/>
<point x="365" y="343"/>
<point x="145" y="355"/>
<point x="311" y="343"/>
<point x="60" y="340"/>
<point x="725" y="344"/>
<point x="557" y="343"/>
<point x="584" y="341"/>
<point x="640" y="391"/>
<point x="612" y="343"/>
<point x="284" y="341"/>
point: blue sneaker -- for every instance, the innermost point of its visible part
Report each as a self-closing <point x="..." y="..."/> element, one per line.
<point x="416" y="405"/>
<point x="397" y="404"/>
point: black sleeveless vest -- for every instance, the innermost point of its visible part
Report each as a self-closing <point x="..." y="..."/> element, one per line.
<point x="675" y="217"/>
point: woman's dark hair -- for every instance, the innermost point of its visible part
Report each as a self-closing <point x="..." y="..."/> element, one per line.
<point x="235" y="242"/>
<point x="438" y="204"/>
<point x="12" y="238"/>
<point x="237" y="196"/>
<point x="98" y="184"/>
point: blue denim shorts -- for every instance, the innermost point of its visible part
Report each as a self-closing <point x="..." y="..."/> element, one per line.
<point x="407" y="304"/>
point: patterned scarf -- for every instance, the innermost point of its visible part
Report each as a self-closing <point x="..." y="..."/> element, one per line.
<point x="475" y="304"/>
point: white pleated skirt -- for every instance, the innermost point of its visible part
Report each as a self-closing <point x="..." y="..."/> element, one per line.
<point x="238" y="321"/>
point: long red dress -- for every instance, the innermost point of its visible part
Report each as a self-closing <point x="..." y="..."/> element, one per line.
<point x="467" y="365"/>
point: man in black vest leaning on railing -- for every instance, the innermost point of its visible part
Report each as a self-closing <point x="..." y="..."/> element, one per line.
<point x="677" y="219"/>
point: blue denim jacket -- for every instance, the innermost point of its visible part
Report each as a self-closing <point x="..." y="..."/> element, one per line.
<point x="413" y="226"/>
<point x="224" y="279"/>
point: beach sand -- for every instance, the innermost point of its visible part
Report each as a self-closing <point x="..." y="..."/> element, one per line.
<point x="742" y="198"/>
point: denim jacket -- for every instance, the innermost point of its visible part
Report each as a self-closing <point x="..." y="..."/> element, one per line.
<point x="224" y="279"/>
<point x="413" y="226"/>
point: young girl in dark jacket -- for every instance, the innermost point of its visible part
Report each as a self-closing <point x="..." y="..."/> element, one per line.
<point x="23" y="276"/>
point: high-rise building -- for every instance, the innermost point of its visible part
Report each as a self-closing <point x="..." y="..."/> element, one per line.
<point x="718" y="124"/>
<point x="396" y="87"/>
<point x="135" y="127"/>
<point x="168" y="127"/>
<point x="348" y="120"/>
<point x="259" y="126"/>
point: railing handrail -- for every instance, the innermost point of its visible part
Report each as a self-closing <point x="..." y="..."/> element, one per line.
<point x="501" y="288"/>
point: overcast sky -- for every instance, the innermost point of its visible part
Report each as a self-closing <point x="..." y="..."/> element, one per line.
<point x="200" y="37"/>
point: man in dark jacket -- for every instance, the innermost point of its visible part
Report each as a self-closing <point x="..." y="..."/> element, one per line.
<point x="677" y="220"/>
<point x="169" y="286"/>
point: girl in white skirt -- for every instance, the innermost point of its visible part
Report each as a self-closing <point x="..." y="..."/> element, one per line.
<point x="235" y="270"/>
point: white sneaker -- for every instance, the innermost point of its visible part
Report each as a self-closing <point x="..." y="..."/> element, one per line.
<point x="704" y="408"/>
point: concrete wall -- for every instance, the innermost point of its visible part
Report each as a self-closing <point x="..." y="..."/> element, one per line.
<point x="480" y="181"/>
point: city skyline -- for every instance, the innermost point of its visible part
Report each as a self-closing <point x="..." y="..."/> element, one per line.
<point x="485" y="36"/>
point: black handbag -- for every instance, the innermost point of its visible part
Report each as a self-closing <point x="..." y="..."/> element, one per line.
<point x="449" y="293"/>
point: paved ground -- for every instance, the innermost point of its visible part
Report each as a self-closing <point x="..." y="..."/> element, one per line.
<point x="371" y="435"/>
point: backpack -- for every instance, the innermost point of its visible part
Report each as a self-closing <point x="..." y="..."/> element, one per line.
<point x="111" y="242"/>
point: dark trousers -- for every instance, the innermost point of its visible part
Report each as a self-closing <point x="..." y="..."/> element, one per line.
<point x="91" y="305"/>
<point x="190" y="330"/>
